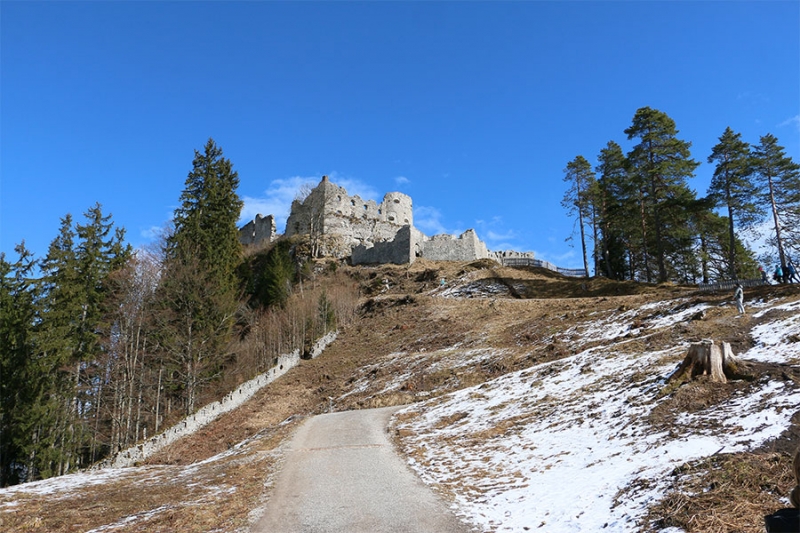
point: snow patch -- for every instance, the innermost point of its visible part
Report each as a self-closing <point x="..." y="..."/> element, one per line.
<point x="566" y="446"/>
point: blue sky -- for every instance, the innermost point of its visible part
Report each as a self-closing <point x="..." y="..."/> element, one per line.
<point x="471" y="108"/>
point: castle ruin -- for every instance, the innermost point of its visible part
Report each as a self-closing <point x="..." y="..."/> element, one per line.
<point x="260" y="229"/>
<point x="340" y="225"/>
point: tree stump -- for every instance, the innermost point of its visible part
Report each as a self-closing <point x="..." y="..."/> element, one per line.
<point x="708" y="359"/>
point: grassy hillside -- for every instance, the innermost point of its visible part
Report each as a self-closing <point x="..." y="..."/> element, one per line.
<point x="417" y="342"/>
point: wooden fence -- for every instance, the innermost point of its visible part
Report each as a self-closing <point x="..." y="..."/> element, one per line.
<point x="581" y="273"/>
<point x="527" y="261"/>
<point x="731" y="284"/>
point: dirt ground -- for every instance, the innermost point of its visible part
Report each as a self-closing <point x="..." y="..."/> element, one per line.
<point x="521" y="314"/>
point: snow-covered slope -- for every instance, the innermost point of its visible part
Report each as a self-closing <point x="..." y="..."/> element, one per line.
<point x="567" y="445"/>
<point x="586" y="441"/>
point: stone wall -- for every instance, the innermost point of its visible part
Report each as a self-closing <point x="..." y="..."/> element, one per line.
<point x="207" y="414"/>
<point x="465" y="247"/>
<point x="401" y="250"/>
<point x="260" y="229"/>
<point x="329" y="210"/>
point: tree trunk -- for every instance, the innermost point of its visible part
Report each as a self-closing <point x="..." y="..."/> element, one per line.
<point x="583" y="245"/>
<point x="158" y="398"/>
<point x="775" y="218"/>
<point x="708" y="359"/>
<point x="704" y="258"/>
<point x="643" y="221"/>
<point x="731" y="234"/>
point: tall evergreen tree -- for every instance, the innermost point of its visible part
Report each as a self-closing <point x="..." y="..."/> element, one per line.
<point x="732" y="188"/>
<point x="779" y="178"/>
<point x="714" y="253"/>
<point x="17" y="319"/>
<point x="578" y="200"/>
<point x="69" y="328"/>
<point x="205" y="223"/>
<point x="662" y="163"/>
<point x="61" y="309"/>
<point x="618" y="213"/>
<point x="198" y="294"/>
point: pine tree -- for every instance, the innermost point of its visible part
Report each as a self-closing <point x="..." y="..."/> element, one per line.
<point x="779" y="178"/>
<point x="58" y="346"/>
<point x="617" y="213"/>
<point x="578" y="199"/>
<point x="205" y="223"/>
<point x="715" y="254"/>
<point x="69" y="329"/>
<point x="661" y="163"/>
<point x="198" y="294"/>
<point x="17" y="319"/>
<point x="732" y="187"/>
<point x="276" y="279"/>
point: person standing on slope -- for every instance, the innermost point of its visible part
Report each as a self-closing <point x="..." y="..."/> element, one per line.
<point x="738" y="297"/>
<point x="778" y="275"/>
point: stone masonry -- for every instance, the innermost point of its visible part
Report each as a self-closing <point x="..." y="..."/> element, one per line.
<point x="366" y="231"/>
<point x="260" y="229"/>
<point x="347" y="221"/>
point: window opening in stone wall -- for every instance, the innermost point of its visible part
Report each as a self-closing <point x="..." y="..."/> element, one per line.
<point x="379" y="211"/>
<point x="406" y="221"/>
<point x="365" y="207"/>
<point x="397" y="200"/>
<point x="352" y="202"/>
<point x="391" y="218"/>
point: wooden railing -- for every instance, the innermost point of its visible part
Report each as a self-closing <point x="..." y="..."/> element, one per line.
<point x="527" y="261"/>
<point x="731" y="284"/>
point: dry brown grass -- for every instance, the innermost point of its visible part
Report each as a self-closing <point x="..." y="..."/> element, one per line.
<point x="725" y="493"/>
<point x="217" y="496"/>
<point x="404" y="331"/>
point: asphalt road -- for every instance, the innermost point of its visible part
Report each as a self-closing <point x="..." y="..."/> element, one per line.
<point x="341" y="474"/>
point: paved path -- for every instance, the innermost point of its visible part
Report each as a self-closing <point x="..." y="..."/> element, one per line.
<point x="342" y="475"/>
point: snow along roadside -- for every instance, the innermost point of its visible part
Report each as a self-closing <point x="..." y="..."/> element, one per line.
<point x="210" y="412"/>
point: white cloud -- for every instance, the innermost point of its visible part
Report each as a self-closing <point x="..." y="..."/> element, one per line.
<point x="277" y="200"/>
<point x="355" y="187"/>
<point x="497" y="237"/>
<point x="793" y="121"/>
<point x="569" y="259"/>
<point x="402" y="180"/>
<point x="429" y="221"/>
<point x="152" y="233"/>
<point x="752" y="98"/>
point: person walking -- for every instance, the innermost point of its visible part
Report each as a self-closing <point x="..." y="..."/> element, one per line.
<point x="791" y="273"/>
<point x="738" y="297"/>
<point x="763" y="273"/>
<point x="778" y="275"/>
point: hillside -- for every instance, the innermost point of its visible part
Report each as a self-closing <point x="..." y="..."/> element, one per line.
<point x="537" y="402"/>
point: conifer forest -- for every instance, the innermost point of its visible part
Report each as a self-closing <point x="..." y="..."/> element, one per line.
<point x="638" y="218"/>
<point x="102" y="346"/>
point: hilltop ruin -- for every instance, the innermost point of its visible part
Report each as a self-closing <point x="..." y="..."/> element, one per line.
<point x="340" y="225"/>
